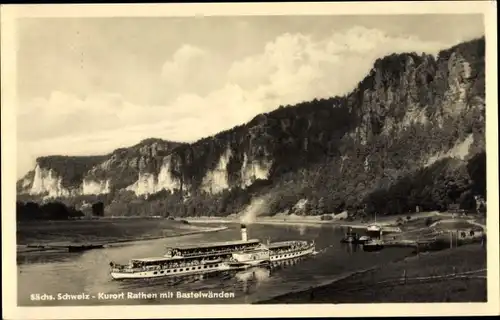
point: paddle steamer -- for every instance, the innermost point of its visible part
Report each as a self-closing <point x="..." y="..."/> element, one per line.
<point x="211" y="257"/>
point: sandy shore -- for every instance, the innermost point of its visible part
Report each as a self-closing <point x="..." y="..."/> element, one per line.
<point x="316" y="220"/>
<point x="452" y="275"/>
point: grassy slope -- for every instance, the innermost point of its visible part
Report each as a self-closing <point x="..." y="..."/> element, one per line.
<point x="363" y="288"/>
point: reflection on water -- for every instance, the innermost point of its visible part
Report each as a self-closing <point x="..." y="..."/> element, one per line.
<point x="89" y="271"/>
<point x="351" y="248"/>
<point x="302" y="229"/>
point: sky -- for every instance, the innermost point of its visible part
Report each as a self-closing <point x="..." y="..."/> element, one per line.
<point x="90" y="85"/>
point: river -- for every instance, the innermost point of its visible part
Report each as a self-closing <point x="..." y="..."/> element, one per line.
<point x="42" y="275"/>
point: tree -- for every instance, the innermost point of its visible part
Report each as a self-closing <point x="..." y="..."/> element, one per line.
<point x="98" y="209"/>
<point x="321" y="206"/>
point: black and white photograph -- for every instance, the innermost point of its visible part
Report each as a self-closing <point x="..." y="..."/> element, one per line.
<point x="251" y="159"/>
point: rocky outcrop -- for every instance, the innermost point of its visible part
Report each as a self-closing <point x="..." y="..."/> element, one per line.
<point x="409" y="112"/>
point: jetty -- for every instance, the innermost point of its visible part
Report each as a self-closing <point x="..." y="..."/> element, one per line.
<point x="383" y="228"/>
<point x="69" y="247"/>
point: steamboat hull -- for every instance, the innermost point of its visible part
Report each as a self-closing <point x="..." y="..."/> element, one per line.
<point x="171" y="272"/>
<point x="241" y="265"/>
<point x="373" y="246"/>
<point x="275" y="256"/>
<point x="183" y="261"/>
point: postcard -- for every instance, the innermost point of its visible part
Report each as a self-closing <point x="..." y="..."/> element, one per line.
<point x="249" y="160"/>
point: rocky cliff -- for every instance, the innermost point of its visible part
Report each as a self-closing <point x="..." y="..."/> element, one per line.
<point x="411" y="112"/>
<point x="65" y="176"/>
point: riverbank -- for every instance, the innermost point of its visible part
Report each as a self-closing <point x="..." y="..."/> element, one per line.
<point x="451" y="275"/>
<point x="285" y="219"/>
<point x="390" y="224"/>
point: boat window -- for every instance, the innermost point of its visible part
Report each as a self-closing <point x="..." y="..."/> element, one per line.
<point x="216" y="249"/>
<point x="155" y="272"/>
<point x="204" y="267"/>
<point x="181" y="269"/>
<point x="175" y="270"/>
<point x="162" y="272"/>
<point x="168" y="271"/>
<point x="199" y="268"/>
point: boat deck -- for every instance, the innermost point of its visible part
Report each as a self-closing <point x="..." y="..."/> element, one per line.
<point x="280" y="244"/>
<point x="213" y="245"/>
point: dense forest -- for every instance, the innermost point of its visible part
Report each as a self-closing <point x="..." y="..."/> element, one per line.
<point x="55" y="210"/>
<point x="368" y="151"/>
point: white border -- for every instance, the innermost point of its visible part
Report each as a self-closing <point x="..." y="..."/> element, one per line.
<point x="9" y="274"/>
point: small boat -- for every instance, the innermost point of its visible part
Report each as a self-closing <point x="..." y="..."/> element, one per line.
<point x="374" y="231"/>
<point x="364" y="239"/>
<point x="373" y="228"/>
<point x="351" y="237"/>
<point x="354" y="238"/>
<point x="373" y="245"/>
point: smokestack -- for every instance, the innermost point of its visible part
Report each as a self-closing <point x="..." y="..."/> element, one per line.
<point x="244" y="232"/>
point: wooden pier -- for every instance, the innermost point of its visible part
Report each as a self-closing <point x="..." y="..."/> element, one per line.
<point x="72" y="247"/>
<point x="384" y="229"/>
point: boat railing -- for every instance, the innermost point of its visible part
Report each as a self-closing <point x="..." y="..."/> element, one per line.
<point x="198" y="253"/>
<point x="127" y="269"/>
<point x="160" y="266"/>
<point x="300" y="247"/>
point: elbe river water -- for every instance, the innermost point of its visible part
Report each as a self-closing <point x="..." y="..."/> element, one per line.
<point x="87" y="273"/>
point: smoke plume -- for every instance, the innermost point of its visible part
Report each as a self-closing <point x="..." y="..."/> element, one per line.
<point x="256" y="208"/>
